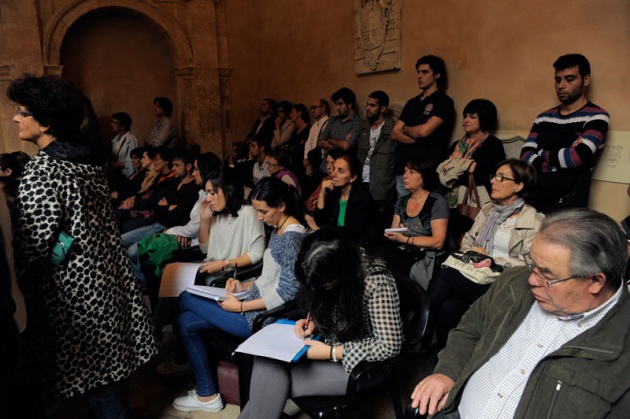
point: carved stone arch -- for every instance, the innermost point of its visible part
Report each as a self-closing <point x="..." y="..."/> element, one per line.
<point x="62" y="20"/>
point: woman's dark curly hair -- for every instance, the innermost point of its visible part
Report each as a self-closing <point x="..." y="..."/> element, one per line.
<point x="54" y="102"/>
<point x="330" y="271"/>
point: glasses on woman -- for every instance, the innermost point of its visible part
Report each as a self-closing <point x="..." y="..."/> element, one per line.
<point x="22" y="114"/>
<point x="500" y="177"/>
<point x="542" y="277"/>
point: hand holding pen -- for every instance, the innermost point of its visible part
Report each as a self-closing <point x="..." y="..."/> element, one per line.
<point x="305" y="327"/>
<point x="233" y="284"/>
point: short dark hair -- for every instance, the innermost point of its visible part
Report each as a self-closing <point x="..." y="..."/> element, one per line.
<point x="325" y="104"/>
<point x="347" y="95"/>
<point x="123" y="119"/>
<point x="437" y="66"/>
<point x="301" y="108"/>
<point x="137" y="152"/>
<point x="8" y="161"/>
<point x="595" y="241"/>
<point x="54" y="102"/>
<point x="272" y="104"/>
<point x="186" y="156"/>
<point x="573" y="60"/>
<point x="523" y="173"/>
<point x="274" y="192"/>
<point x="381" y="97"/>
<point x="286" y="107"/>
<point x="263" y="139"/>
<point x="281" y="155"/>
<point x="426" y="168"/>
<point x="231" y="188"/>
<point x="166" y="154"/>
<point x="486" y="112"/>
<point x="164" y="103"/>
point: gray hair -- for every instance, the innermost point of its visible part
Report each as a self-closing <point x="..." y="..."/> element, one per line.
<point x="595" y="240"/>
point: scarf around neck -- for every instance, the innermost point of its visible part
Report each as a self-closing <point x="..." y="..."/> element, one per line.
<point x="497" y="216"/>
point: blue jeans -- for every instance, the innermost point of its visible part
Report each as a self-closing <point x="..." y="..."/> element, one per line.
<point x="110" y="401"/>
<point x="199" y="314"/>
<point x="400" y="189"/>
<point x="130" y="242"/>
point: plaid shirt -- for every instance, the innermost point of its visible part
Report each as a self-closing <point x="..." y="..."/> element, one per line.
<point x="381" y="334"/>
<point x="164" y="134"/>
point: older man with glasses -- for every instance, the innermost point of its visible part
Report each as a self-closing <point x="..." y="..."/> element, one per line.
<point x="549" y="339"/>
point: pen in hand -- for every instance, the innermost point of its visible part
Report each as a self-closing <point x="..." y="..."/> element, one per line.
<point x="308" y="318"/>
<point x="234" y="274"/>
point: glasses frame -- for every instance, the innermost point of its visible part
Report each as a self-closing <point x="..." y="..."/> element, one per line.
<point x="500" y="177"/>
<point x="532" y="267"/>
<point x="23" y="114"/>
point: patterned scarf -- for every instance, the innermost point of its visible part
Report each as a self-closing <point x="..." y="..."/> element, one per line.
<point x="497" y="216"/>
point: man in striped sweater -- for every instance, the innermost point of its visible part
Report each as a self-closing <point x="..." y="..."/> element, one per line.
<point x="565" y="141"/>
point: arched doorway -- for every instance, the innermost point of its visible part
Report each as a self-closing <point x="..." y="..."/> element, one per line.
<point x="121" y="63"/>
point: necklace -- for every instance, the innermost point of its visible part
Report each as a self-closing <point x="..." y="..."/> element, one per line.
<point x="285" y="220"/>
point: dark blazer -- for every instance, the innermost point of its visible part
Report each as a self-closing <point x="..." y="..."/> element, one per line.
<point x="358" y="212"/>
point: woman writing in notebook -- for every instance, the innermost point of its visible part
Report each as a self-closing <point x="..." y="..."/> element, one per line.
<point x="277" y="205"/>
<point x="353" y="302"/>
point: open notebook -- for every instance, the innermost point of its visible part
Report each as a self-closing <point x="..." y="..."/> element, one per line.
<point x="277" y="341"/>
<point x="215" y="293"/>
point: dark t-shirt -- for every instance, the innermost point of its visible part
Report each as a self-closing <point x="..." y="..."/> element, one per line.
<point x="417" y="112"/>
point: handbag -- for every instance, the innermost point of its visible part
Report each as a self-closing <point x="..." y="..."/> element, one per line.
<point x="61" y="248"/>
<point x="465" y="208"/>
<point x="467" y="265"/>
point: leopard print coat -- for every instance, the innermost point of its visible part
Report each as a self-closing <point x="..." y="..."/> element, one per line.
<point x="87" y="320"/>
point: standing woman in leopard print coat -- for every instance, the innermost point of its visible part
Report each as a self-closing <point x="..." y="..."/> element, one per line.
<point x="87" y="322"/>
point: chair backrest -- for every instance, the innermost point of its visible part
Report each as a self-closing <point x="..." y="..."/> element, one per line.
<point x="414" y="311"/>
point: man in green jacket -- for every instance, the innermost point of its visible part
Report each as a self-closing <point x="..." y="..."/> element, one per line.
<point x="550" y="340"/>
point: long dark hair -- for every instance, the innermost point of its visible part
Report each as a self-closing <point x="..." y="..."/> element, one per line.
<point x="274" y="192"/>
<point x="231" y="188"/>
<point x="330" y="271"/>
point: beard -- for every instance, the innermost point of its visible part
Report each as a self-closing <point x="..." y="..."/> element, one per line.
<point x="374" y="117"/>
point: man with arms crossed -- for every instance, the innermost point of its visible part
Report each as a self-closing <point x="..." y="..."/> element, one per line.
<point x="549" y="340"/>
<point x="565" y="141"/>
<point x="426" y="122"/>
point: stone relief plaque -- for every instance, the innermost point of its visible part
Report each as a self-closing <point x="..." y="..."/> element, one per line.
<point x="377" y="33"/>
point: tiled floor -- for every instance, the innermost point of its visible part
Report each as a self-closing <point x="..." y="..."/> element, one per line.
<point x="152" y="394"/>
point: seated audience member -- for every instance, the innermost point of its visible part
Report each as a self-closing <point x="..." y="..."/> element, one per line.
<point x="284" y="127"/>
<point x="136" y="211"/>
<point x="311" y="203"/>
<point x="122" y="144"/>
<point x="134" y="182"/>
<point x="353" y="303"/>
<point x="277" y="163"/>
<point x="278" y="206"/>
<point x="549" y="340"/>
<point x="425" y="215"/>
<point x="376" y="150"/>
<point x="10" y="174"/>
<point x="174" y="207"/>
<point x="478" y="152"/>
<point x="238" y="154"/>
<point x="250" y="172"/>
<point x="344" y="203"/>
<point x="503" y="229"/>
<point x="182" y="236"/>
<point x="230" y="234"/>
